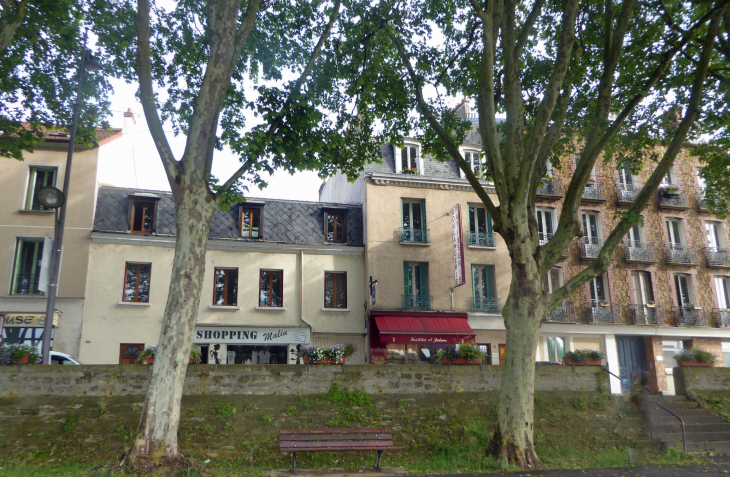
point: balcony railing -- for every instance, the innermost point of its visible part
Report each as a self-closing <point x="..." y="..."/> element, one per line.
<point x="480" y="303"/>
<point x="26" y="285"/>
<point x="594" y="192"/>
<point x="544" y="238"/>
<point x="689" y="316"/>
<point x="679" y="254"/>
<point x="551" y="188"/>
<point x="411" y="235"/>
<point x="722" y="317"/>
<point x="673" y="199"/>
<point x="481" y="239"/>
<point x="564" y="313"/>
<point x="717" y="257"/>
<point x="417" y="302"/>
<point x="603" y="312"/>
<point x="647" y="314"/>
<point x="626" y="193"/>
<point x="590" y="247"/>
<point x="641" y="252"/>
<point x="701" y="201"/>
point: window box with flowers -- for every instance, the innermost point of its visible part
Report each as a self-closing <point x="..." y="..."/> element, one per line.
<point x="410" y="171"/>
<point x="583" y="357"/>
<point x="19" y="354"/>
<point x="466" y="353"/>
<point x="669" y="190"/>
<point x="695" y="357"/>
<point x="336" y="354"/>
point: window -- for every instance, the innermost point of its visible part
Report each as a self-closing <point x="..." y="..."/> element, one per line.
<point x="477" y="163"/>
<point x="271" y="288"/>
<point x="726" y="353"/>
<point x="670" y="349"/>
<point x="635" y="236"/>
<point x="545" y="224"/>
<point x="480" y="227"/>
<point x="335" y="290"/>
<point x="335" y="224"/>
<point x="137" y="282"/>
<point x="701" y="182"/>
<point x="556" y="348"/>
<point x="670" y="178"/>
<point x="676" y="237"/>
<point x="409" y="159"/>
<point x="485" y="298"/>
<point x="715" y="236"/>
<point x="643" y="290"/>
<point x="683" y="285"/>
<point x="415" y="284"/>
<point x="414" y="219"/>
<point x="591" y="227"/>
<point x="143" y="217"/>
<point x="129" y="353"/>
<point x="625" y="178"/>
<point x="250" y="223"/>
<point x="26" y="275"/>
<point x="553" y="280"/>
<point x="225" y="289"/>
<point x="722" y="288"/>
<point x="39" y="178"/>
<point x="598" y="290"/>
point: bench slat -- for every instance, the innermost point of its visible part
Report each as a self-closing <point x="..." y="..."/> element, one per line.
<point x="365" y="445"/>
<point x="335" y="437"/>
<point x="354" y="430"/>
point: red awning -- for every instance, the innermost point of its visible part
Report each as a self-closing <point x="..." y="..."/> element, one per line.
<point x="423" y="329"/>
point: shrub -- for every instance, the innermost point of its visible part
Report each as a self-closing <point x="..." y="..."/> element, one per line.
<point x="10" y="353"/>
<point x="196" y="355"/>
<point x="696" y="354"/>
<point x="449" y="353"/>
<point x="582" y="355"/>
<point x="223" y="410"/>
<point x="470" y="351"/>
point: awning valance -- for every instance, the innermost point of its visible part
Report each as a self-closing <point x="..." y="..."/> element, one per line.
<point x="423" y="329"/>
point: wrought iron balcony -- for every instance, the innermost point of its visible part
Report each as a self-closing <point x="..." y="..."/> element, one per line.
<point x="417" y="236"/>
<point x="594" y="192"/>
<point x="481" y="239"/>
<point x="589" y="247"/>
<point x="717" y="257"/>
<point x="626" y="193"/>
<point x="701" y="201"/>
<point x="685" y="316"/>
<point x="26" y="285"/>
<point x="672" y="198"/>
<point x="551" y="188"/>
<point x="491" y="305"/>
<point x="678" y="254"/>
<point x="639" y="252"/>
<point x="603" y="312"/>
<point x="722" y="317"/>
<point x="647" y="314"/>
<point x="544" y="238"/>
<point x="417" y="302"/>
<point x="564" y="313"/>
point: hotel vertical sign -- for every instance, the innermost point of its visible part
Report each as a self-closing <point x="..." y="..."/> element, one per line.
<point x="459" y="271"/>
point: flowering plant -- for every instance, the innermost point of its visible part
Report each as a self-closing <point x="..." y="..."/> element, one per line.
<point x="195" y="355"/>
<point x="149" y="352"/>
<point x="448" y="353"/>
<point x="695" y="354"/>
<point x="335" y="353"/>
<point x="582" y="355"/>
<point x="11" y="353"/>
<point x="313" y="353"/>
<point x="470" y="351"/>
<point x="350" y="349"/>
<point x="413" y="170"/>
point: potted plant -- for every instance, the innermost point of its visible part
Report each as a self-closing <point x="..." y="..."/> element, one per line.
<point x="334" y="354"/>
<point x="583" y="357"/>
<point x="650" y="304"/>
<point x="689" y="306"/>
<point x="447" y="355"/>
<point x="695" y="357"/>
<point x="470" y="353"/>
<point x="311" y="354"/>
<point x="671" y="190"/>
<point x="20" y="354"/>
<point x="196" y="357"/>
<point x="148" y="355"/>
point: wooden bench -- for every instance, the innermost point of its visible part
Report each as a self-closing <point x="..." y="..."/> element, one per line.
<point x="334" y="440"/>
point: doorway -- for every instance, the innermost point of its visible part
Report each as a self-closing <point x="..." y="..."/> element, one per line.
<point x="631" y="360"/>
<point x="129" y="353"/>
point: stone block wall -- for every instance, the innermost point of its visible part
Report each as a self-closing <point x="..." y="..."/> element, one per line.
<point x="120" y="380"/>
<point x="688" y="381"/>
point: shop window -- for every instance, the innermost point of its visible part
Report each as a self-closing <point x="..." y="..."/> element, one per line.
<point x="27" y="269"/>
<point x="39" y="178"/>
<point x="225" y="291"/>
<point x="555" y="348"/>
<point x="335" y="290"/>
<point x="129" y="353"/>
<point x="137" y="282"/>
<point x="271" y="287"/>
<point x="251" y="223"/>
<point x="480" y="227"/>
<point x="143" y="217"/>
<point x="335" y="224"/>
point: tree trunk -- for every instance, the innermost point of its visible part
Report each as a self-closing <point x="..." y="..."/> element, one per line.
<point x="157" y="436"/>
<point x="523" y="311"/>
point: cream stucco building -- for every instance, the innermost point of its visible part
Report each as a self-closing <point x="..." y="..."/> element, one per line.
<point x="25" y="226"/>
<point x="278" y="274"/>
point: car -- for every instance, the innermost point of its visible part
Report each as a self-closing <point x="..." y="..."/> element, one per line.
<point x="63" y="358"/>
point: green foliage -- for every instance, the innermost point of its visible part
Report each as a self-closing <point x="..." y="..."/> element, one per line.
<point x="470" y="351"/>
<point x="306" y="402"/>
<point x="403" y="403"/>
<point x="345" y="396"/>
<point x="580" y="403"/>
<point x="11" y="353"/>
<point x="69" y="422"/>
<point x="493" y="411"/>
<point x="291" y="411"/>
<point x="102" y="409"/>
<point x="582" y="355"/>
<point x="127" y="434"/>
<point x="195" y="355"/>
<point x="696" y="354"/>
<point x="266" y="418"/>
<point x="223" y="410"/>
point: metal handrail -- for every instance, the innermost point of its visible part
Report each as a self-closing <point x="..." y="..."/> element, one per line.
<point x="684" y="438"/>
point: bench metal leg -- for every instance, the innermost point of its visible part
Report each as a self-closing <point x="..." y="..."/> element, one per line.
<point x="377" y="463"/>
<point x="293" y="461"/>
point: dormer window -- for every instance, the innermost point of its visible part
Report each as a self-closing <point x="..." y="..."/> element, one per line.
<point x="334" y="227"/>
<point x="476" y="161"/>
<point x="251" y="223"/>
<point x="143" y="214"/>
<point x="408" y="159"/>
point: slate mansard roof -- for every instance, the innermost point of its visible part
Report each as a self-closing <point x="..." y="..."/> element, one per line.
<point x="284" y="221"/>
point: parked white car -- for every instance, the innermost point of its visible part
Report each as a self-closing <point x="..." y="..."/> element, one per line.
<point x="63" y="358"/>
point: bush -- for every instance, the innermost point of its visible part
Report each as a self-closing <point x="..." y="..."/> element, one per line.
<point x="696" y="354"/>
<point x="448" y="353"/>
<point x="582" y="355"/>
<point x="196" y="355"/>
<point x="11" y="353"/>
<point x="470" y="351"/>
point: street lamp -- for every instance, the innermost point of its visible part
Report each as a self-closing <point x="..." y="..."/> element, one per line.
<point x="56" y="199"/>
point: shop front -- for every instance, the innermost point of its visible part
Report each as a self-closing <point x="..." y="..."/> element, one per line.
<point x="414" y="338"/>
<point x="26" y="328"/>
<point x="250" y="345"/>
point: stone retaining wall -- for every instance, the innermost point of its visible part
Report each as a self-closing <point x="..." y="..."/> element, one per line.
<point x="114" y="380"/>
<point x="696" y="379"/>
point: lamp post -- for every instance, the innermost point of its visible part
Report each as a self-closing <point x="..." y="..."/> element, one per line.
<point x="56" y="199"/>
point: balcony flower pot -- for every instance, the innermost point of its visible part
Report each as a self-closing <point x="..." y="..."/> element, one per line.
<point x="588" y="362"/>
<point x="25" y="359"/>
<point x="690" y="364"/>
<point x="150" y="359"/>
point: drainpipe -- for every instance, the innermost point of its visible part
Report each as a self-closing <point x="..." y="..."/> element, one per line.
<point x="452" y="298"/>
<point x="301" y="290"/>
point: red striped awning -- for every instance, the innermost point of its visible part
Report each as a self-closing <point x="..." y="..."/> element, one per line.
<point x="423" y="329"/>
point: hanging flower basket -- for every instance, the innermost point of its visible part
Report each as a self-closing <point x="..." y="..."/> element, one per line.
<point x="691" y="364"/>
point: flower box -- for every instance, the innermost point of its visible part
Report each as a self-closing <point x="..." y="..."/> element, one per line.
<point x="324" y="361"/>
<point x="588" y="362"/>
<point x="150" y="359"/>
<point x="690" y="364"/>
<point x="461" y="361"/>
<point x="25" y="359"/>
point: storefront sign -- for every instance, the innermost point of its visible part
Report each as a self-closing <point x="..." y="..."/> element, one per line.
<point x="250" y="335"/>
<point x="28" y="320"/>
<point x="424" y="338"/>
<point x="459" y="271"/>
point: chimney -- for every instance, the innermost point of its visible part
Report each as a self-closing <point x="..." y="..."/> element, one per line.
<point x="462" y="109"/>
<point x="129" y="121"/>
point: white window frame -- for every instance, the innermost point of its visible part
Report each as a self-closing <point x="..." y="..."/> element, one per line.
<point x="623" y="174"/>
<point x="398" y="161"/>
<point x="472" y="151"/>
<point x="554" y="225"/>
<point x="722" y="292"/>
<point x="636" y="234"/>
<point x="643" y="293"/>
<point x="701" y="182"/>
<point x="690" y="288"/>
<point x="25" y="196"/>
<point x="682" y="243"/>
<point x="671" y="177"/>
<point x="551" y="287"/>
<point x="586" y="215"/>
<point x="592" y="286"/>
<point x="714" y="230"/>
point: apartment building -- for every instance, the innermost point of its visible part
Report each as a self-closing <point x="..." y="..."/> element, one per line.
<point x="666" y="289"/>
<point x="26" y="231"/>
<point x="279" y="275"/>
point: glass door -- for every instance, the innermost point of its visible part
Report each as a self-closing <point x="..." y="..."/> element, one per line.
<point x="713" y="236"/>
<point x="544" y="225"/>
<point x="413" y="221"/>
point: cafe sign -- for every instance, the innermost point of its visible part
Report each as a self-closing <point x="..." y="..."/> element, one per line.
<point x="240" y="335"/>
<point x="28" y="320"/>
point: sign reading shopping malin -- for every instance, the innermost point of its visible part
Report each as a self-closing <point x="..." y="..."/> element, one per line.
<point x="459" y="271"/>
<point x="250" y="335"/>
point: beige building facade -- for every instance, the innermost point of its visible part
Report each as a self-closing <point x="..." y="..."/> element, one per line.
<point x="26" y="229"/>
<point x="276" y="278"/>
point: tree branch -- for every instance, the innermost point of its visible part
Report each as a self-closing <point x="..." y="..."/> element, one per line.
<point x="527" y="27"/>
<point x="147" y="94"/>
<point x="8" y="28"/>
<point x="603" y="259"/>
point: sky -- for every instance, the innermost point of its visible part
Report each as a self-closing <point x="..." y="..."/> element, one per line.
<point x="133" y="161"/>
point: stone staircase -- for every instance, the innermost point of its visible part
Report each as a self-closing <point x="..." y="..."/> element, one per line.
<point x="705" y="432"/>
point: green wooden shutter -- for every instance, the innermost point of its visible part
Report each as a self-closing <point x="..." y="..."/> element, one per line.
<point x="423" y="271"/>
<point x="406" y="284"/>
<point x="423" y="212"/>
<point x="489" y="289"/>
<point x="474" y="272"/>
